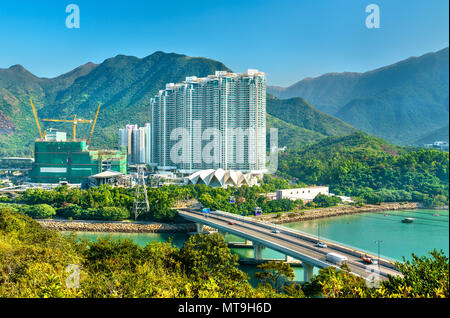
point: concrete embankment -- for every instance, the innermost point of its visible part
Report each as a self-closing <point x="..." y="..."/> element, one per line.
<point x="123" y="227"/>
<point x="334" y="211"/>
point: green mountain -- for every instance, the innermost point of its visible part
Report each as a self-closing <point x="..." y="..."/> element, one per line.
<point x="402" y="102"/>
<point x="298" y="112"/>
<point x="289" y="135"/>
<point x="123" y="84"/>
<point x="369" y="167"/>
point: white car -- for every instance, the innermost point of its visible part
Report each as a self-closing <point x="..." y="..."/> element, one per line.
<point x="276" y="231"/>
<point x="321" y="244"/>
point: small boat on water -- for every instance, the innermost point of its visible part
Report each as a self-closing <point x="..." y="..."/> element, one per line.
<point x="436" y="214"/>
<point x="386" y="215"/>
<point x="408" y="220"/>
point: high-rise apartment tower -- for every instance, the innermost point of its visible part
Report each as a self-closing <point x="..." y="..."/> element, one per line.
<point x="213" y="122"/>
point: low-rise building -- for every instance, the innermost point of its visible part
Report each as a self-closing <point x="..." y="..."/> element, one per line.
<point x="305" y="194"/>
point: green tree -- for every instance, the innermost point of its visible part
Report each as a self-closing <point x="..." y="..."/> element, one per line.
<point x="205" y="256"/>
<point x="161" y="205"/>
<point x="421" y="277"/>
<point x="275" y="273"/>
<point x="39" y="211"/>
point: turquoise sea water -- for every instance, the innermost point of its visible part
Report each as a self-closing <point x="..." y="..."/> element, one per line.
<point x="360" y="231"/>
<point x="428" y="231"/>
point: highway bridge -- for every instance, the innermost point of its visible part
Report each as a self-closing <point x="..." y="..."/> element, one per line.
<point x="292" y="243"/>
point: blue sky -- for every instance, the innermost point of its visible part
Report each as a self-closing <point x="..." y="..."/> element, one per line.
<point x="287" y="39"/>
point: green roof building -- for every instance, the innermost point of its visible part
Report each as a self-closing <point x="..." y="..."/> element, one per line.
<point x="56" y="159"/>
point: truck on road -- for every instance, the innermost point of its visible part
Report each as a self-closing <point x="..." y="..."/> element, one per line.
<point x="336" y="258"/>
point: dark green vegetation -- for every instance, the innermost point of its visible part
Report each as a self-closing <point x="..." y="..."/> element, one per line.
<point x="70" y="211"/>
<point x="325" y="201"/>
<point x="34" y="263"/>
<point x="402" y="103"/>
<point x="36" y="211"/>
<point x="106" y="203"/>
<point x="422" y="277"/>
<point x="102" y="203"/>
<point x="278" y="275"/>
<point x="299" y="123"/>
<point x="371" y="169"/>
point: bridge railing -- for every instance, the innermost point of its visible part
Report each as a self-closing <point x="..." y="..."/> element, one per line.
<point x="387" y="261"/>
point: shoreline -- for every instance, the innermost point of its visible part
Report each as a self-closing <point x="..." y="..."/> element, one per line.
<point x="115" y="226"/>
<point x="155" y="227"/>
<point x="339" y="210"/>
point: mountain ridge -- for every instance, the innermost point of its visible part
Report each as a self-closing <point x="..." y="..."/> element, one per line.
<point x="124" y="84"/>
<point x="391" y="102"/>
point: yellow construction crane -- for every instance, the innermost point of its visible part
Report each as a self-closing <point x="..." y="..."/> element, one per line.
<point x="93" y="125"/>
<point x="75" y="121"/>
<point x="36" y="118"/>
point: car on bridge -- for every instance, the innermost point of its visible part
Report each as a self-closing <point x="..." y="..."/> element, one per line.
<point x="232" y="223"/>
<point x="276" y="231"/>
<point x="368" y="260"/>
<point x="321" y="244"/>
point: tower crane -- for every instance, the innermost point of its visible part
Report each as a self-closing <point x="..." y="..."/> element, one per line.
<point x="36" y="118"/>
<point x="75" y="121"/>
<point x="93" y="125"/>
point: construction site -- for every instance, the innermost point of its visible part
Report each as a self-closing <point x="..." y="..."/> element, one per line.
<point x="60" y="159"/>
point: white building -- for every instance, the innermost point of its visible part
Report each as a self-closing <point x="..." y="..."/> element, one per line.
<point x="221" y="178"/>
<point x="229" y="103"/>
<point x="148" y="144"/>
<point x="135" y="139"/>
<point x="305" y="194"/>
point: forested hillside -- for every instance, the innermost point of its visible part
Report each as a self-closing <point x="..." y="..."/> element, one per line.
<point x="123" y="84"/>
<point x="370" y="168"/>
<point x="402" y="103"/>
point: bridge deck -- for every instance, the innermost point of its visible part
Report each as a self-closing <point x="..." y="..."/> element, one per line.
<point x="292" y="245"/>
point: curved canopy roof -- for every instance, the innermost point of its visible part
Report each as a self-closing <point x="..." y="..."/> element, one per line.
<point x="220" y="178"/>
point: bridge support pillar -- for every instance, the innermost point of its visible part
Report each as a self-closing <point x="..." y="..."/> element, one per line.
<point x="288" y="259"/>
<point x="257" y="250"/>
<point x="199" y="228"/>
<point x="307" y="272"/>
